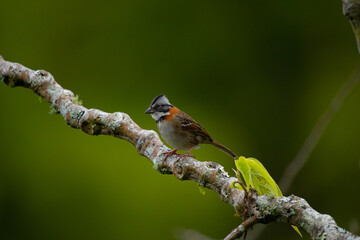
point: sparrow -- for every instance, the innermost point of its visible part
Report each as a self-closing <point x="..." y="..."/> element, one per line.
<point x="179" y="130"/>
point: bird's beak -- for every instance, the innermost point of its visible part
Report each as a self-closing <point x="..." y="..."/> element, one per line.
<point x="149" y="110"/>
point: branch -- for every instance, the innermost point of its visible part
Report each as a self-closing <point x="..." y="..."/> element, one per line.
<point x="351" y="9"/>
<point x="312" y="140"/>
<point x="241" y="229"/>
<point x="292" y="210"/>
<point x="296" y="165"/>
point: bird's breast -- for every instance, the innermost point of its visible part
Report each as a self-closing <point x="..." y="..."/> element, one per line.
<point x="173" y="135"/>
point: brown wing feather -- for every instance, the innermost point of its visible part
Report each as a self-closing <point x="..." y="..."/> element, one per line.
<point x="197" y="134"/>
<point x="188" y="124"/>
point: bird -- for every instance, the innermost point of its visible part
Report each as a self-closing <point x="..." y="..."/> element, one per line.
<point x="179" y="130"/>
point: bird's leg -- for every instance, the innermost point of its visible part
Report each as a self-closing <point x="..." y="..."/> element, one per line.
<point x="168" y="154"/>
<point x="187" y="154"/>
<point x="181" y="156"/>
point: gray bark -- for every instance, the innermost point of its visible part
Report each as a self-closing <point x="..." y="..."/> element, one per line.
<point x="291" y="210"/>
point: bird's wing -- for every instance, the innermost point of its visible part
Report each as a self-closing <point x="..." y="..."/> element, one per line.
<point x="188" y="124"/>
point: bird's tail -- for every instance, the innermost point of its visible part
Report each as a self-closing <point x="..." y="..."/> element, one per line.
<point x="223" y="148"/>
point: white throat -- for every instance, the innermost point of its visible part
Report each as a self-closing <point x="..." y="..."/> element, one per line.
<point x="158" y="115"/>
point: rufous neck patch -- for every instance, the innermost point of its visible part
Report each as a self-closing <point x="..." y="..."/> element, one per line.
<point x="172" y="112"/>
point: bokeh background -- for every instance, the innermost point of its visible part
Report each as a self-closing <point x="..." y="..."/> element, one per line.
<point x="256" y="75"/>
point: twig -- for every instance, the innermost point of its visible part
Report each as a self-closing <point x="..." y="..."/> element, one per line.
<point x="293" y="210"/>
<point x="242" y="228"/>
<point x="304" y="153"/>
<point x="312" y="140"/>
<point x="351" y="9"/>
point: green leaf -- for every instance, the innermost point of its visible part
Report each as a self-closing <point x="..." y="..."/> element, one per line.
<point x="236" y="185"/>
<point x="53" y="110"/>
<point x="201" y="189"/>
<point x="297" y="230"/>
<point x="255" y="175"/>
<point x="76" y="99"/>
<point x="258" y="171"/>
<point x="261" y="185"/>
<point x="244" y="168"/>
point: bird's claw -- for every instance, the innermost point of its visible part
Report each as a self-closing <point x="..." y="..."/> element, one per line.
<point x="168" y="154"/>
<point x="181" y="156"/>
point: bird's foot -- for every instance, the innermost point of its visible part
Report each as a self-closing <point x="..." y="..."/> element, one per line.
<point x="168" y="154"/>
<point x="182" y="156"/>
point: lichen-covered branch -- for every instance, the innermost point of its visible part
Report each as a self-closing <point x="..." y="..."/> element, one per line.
<point x="292" y="210"/>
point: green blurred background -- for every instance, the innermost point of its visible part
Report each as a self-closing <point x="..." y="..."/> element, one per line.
<point x="256" y="75"/>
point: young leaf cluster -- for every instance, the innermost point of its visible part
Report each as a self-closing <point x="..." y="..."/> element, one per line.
<point x="252" y="174"/>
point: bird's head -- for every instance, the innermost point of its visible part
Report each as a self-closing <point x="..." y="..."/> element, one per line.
<point x="159" y="107"/>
